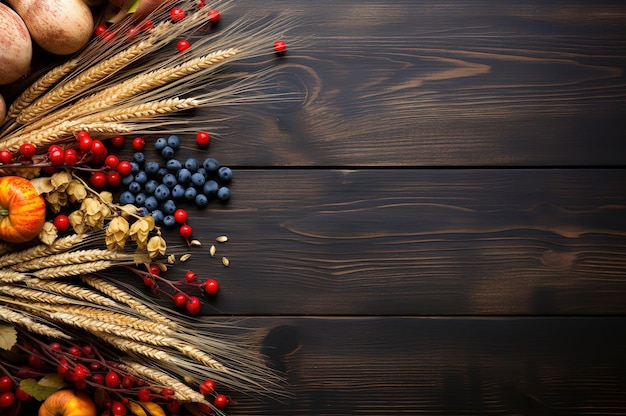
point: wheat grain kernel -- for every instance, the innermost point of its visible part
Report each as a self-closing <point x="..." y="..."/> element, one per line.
<point x="221" y="239"/>
<point x="185" y="257"/>
<point x="225" y="261"/>
<point x="212" y="251"/>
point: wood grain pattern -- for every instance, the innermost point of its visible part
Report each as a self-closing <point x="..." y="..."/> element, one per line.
<point x="425" y="83"/>
<point x="446" y="366"/>
<point x="423" y="242"/>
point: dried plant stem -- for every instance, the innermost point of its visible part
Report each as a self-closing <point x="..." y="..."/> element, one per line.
<point x="71" y="257"/>
<point x="14" y="316"/>
<point x="73" y="270"/>
<point x="59" y="245"/>
<point x="40" y="86"/>
<point x="119" y="295"/>
<point x="74" y="291"/>
<point x="182" y="392"/>
<point x="147" y="110"/>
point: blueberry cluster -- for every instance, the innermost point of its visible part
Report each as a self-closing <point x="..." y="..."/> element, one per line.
<point x="158" y="188"/>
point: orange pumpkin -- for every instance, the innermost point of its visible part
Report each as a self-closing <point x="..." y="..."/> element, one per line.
<point x="68" y="403"/>
<point x="22" y="210"/>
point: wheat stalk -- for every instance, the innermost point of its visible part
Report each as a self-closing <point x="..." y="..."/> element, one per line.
<point x="42" y="250"/>
<point x="72" y="257"/>
<point x="146" y="110"/>
<point x="19" y="318"/>
<point x="74" y="291"/>
<point x="33" y="295"/>
<point x="73" y="270"/>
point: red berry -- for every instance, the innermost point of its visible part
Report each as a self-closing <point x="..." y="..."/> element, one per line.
<point x="82" y="134"/>
<point x="220" y="401"/>
<point x="211" y="286"/>
<point x="33" y="361"/>
<point x="112" y="379"/>
<point x="63" y="367"/>
<point x="54" y="147"/>
<point x="57" y="157"/>
<point x="280" y="46"/>
<point x="98" y="179"/>
<point x="21" y="395"/>
<point x="7" y="399"/>
<point x="214" y="16"/>
<point x="6" y="384"/>
<point x="132" y="31"/>
<point x="98" y="148"/>
<point x="183" y="45"/>
<point x="28" y="150"/>
<point x="99" y="30"/>
<point x="75" y="351"/>
<point x="80" y="372"/>
<point x="146" y="25"/>
<point x="173" y="406"/>
<point x="61" y="222"/>
<point x="144" y="395"/>
<point x="84" y="144"/>
<point x="179" y="300"/>
<point x="167" y="393"/>
<point x="70" y="157"/>
<point x="154" y="269"/>
<point x="124" y="167"/>
<point x="177" y="14"/>
<point x="127" y="382"/>
<point x="203" y="138"/>
<point x="185" y="231"/>
<point x="55" y="346"/>
<point x="98" y="378"/>
<point x="118" y="409"/>
<point x="114" y="178"/>
<point x="193" y="305"/>
<point x="112" y="161"/>
<point x="191" y="276"/>
<point x="108" y="36"/>
<point x="148" y="281"/>
<point x="207" y="386"/>
<point x="138" y="143"/>
<point x="87" y="350"/>
<point x="180" y="215"/>
<point x="5" y="156"/>
<point x="201" y="3"/>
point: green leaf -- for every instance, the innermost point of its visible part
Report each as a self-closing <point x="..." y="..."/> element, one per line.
<point x="40" y="390"/>
<point x="8" y="336"/>
<point x="132" y="5"/>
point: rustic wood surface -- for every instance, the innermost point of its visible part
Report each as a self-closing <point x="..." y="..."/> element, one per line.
<point x="439" y="227"/>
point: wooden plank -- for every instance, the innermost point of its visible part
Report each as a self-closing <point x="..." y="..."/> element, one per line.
<point x="421" y="83"/>
<point x="417" y="241"/>
<point x="446" y="366"/>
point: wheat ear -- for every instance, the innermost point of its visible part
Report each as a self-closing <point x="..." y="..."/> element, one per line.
<point x="147" y="110"/>
<point x="182" y="392"/>
<point x="33" y="295"/>
<point x="73" y="270"/>
<point x="11" y="276"/>
<point x="42" y="250"/>
<point x="23" y="320"/>
<point x="72" y="257"/>
<point x="74" y="291"/>
<point x="119" y="295"/>
<point x="130" y="346"/>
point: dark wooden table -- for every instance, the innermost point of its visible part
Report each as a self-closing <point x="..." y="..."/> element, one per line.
<point x="440" y="227"/>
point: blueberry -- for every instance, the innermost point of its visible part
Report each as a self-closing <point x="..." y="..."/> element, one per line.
<point x="173" y="142"/>
<point x="201" y="200"/>
<point x="134" y="187"/>
<point x="151" y="168"/>
<point x="161" y="173"/>
<point x="169" y="221"/>
<point x="160" y="144"/>
<point x="167" y="152"/>
<point x="178" y="191"/>
<point x="157" y="214"/>
<point x="190" y="194"/>
<point x="162" y="192"/>
<point x="127" y="197"/>
<point x="168" y="207"/>
<point x="225" y="174"/>
<point x="191" y="164"/>
<point x="211" y="165"/>
<point x="169" y="180"/>
<point x="223" y="194"/>
<point x="198" y="179"/>
<point x="134" y="167"/>
<point x="150" y="186"/>
<point x="126" y="180"/>
<point x="173" y="165"/>
<point x="141" y="177"/>
<point x="184" y="176"/>
<point x="151" y="203"/>
<point x="204" y="172"/>
<point x="140" y="198"/>
<point x="143" y="211"/>
<point x="139" y="158"/>
<point x="210" y="189"/>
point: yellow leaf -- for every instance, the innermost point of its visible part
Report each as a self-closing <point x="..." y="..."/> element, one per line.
<point x="8" y="336"/>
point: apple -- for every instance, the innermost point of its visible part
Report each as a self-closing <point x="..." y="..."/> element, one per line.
<point x="68" y="403"/>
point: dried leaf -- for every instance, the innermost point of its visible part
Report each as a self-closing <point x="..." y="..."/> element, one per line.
<point x="43" y="185"/>
<point x="40" y="390"/>
<point x="8" y="336"/>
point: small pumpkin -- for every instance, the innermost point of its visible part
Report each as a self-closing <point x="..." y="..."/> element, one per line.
<point x="22" y="210"/>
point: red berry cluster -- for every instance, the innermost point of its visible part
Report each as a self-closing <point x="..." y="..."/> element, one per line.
<point x="180" y="297"/>
<point x="10" y="391"/>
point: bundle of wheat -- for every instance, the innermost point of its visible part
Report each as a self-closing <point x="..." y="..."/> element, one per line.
<point x="60" y="308"/>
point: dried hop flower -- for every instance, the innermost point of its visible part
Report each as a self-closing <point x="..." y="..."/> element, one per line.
<point x="140" y="230"/>
<point x="117" y="233"/>
<point x="156" y="246"/>
<point x="48" y="233"/>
